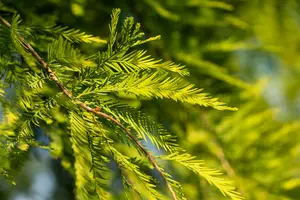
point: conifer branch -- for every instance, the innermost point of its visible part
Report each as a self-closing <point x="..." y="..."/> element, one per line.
<point x="54" y="78"/>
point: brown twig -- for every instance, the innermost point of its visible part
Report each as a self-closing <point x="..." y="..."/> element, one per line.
<point x="96" y="111"/>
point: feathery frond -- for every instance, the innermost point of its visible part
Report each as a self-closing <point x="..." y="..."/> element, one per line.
<point x="89" y="164"/>
<point x="160" y="85"/>
<point x="211" y="175"/>
<point x="71" y="35"/>
<point x="18" y="43"/>
<point x="146" y="128"/>
<point x="124" y="162"/>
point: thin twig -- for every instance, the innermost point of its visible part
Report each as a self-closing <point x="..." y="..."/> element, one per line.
<point x="220" y="153"/>
<point x="137" y="195"/>
<point x="54" y="78"/>
<point x="5" y="22"/>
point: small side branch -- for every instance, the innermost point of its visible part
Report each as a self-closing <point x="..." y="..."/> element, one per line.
<point x="219" y="153"/>
<point x="96" y="111"/>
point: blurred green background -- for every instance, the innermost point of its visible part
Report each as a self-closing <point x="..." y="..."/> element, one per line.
<point x="245" y="52"/>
